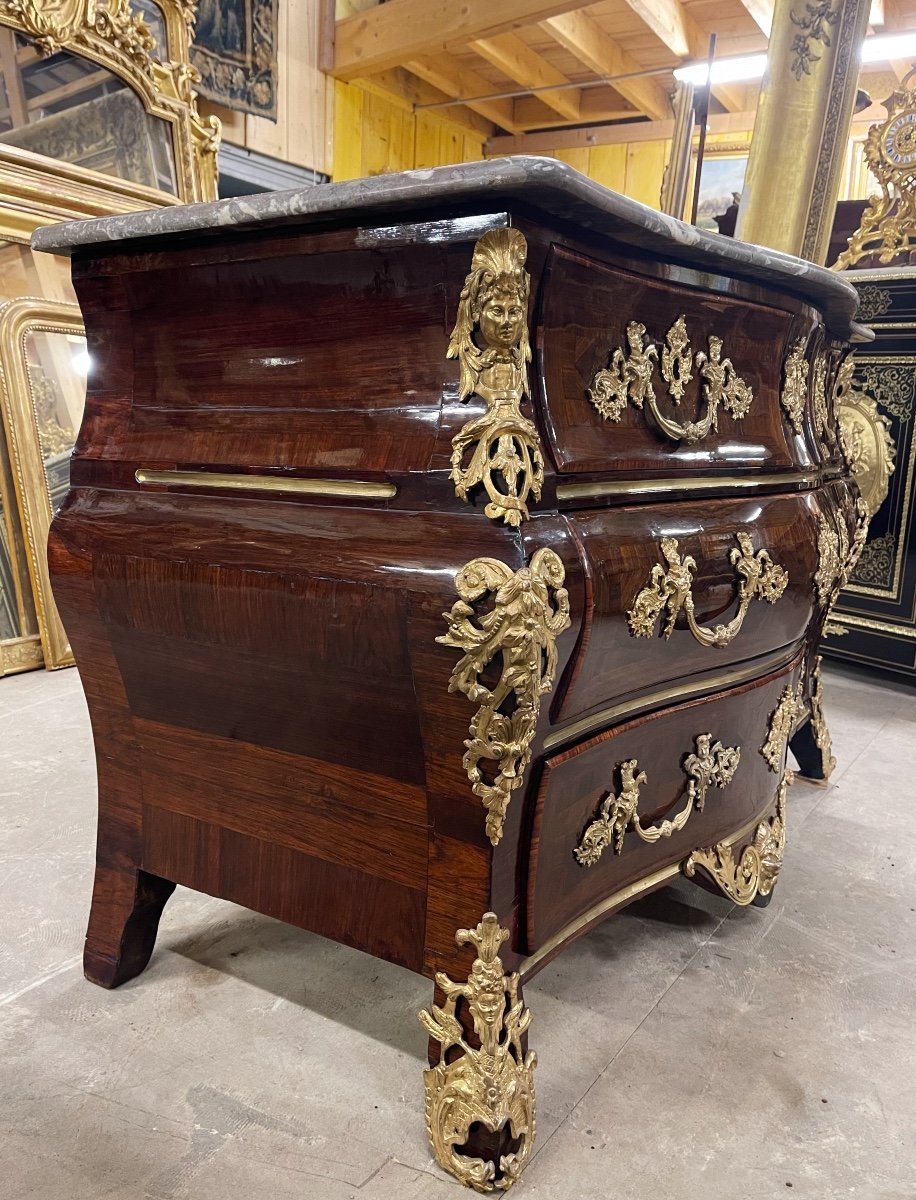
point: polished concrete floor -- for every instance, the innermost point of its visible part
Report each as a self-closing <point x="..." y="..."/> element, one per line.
<point x="688" y="1049"/>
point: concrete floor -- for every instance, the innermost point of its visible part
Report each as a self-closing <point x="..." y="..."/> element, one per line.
<point x="688" y="1049"/>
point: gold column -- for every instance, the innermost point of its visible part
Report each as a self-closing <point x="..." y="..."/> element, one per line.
<point x="803" y="119"/>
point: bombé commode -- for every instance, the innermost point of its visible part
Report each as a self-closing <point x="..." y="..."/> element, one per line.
<point x="445" y="560"/>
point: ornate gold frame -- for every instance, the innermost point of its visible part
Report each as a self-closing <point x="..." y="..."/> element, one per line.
<point x="109" y="33"/>
<point x="20" y="424"/>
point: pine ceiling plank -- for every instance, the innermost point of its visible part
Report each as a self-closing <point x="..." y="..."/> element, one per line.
<point x="519" y="62"/>
<point x="583" y="37"/>
<point x="391" y="34"/>
<point x="673" y="25"/>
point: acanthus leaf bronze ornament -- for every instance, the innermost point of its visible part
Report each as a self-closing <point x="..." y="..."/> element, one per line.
<point x="491" y="1085"/>
<point x="710" y="766"/>
<point x="888" y="226"/>
<point x="783" y="719"/>
<point x="756" y="870"/>
<point x="819" y="403"/>
<point x="505" y="450"/>
<point x="814" y="24"/>
<point x="837" y="555"/>
<point x="795" y="385"/>
<point x="677" y="360"/>
<point x="629" y="378"/>
<point x="865" y="438"/>
<point x="530" y="610"/>
<point x="671" y="588"/>
<point x="819" y="728"/>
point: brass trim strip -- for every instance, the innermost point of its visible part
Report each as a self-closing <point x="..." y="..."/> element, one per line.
<point x="620" y="897"/>
<point x="844" y="618"/>
<point x="643" y="487"/>
<point x="758" y="667"/>
<point x="221" y="482"/>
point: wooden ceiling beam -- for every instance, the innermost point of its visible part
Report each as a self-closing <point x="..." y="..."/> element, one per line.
<point x="731" y="96"/>
<point x="463" y="85"/>
<point x="515" y="58"/>
<point x="598" y="104"/>
<point x="581" y="35"/>
<point x="762" y="13"/>
<point x="392" y="34"/>
<point x="673" y="25"/>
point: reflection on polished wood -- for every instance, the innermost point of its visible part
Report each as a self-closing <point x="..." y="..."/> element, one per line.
<point x="281" y="715"/>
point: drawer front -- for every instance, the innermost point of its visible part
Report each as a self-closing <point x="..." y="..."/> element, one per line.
<point x="620" y="430"/>
<point x="712" y="750"/>
<point x="699" y="556"/>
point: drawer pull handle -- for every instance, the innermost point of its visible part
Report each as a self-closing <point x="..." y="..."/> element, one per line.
<point x="628" y="377"/>
<point x="711" y="766"/>
<point x="756" y="871"/>
<point x="671" y="589"/>
<point x="530" y="610"/>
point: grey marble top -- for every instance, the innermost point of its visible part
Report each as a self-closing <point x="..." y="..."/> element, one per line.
<point x="539" y="183"/>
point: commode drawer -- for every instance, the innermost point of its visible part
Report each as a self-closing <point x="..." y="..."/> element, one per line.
<point x="679" y="589"/>
<point x="614" y="809"/>
<point x="642" y="375"/>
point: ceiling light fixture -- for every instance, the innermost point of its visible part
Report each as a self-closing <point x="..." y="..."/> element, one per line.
<point x="748" y="67"/>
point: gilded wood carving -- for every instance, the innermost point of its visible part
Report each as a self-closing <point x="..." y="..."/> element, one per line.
<point x="530" y="609"/>
<point x="712" y="765"/>
<point x="499" y="450"/>
<point x="110" y="33"/>
<point x="756" y="870"/>
<point x="491" y="1085"/>
<point x="670" y="590"/>
<point x="628" y="378"/>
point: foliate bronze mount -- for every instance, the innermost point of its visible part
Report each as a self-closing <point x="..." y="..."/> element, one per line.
<point x="837" y="554"/>
<point x="670" y="590"/>
<point x="795" y="385"/>
<point x="499" y="450"/>
<point x="783" y="719"/>
<point x="491" y="1085"/>
<point x="756" y="870"/>
<point x="819" y="727"/>
<point x="628" y="378"/>
<point x="865" y="438"/>
<point x="712" y="765"/>
<point x="530" y="610"/>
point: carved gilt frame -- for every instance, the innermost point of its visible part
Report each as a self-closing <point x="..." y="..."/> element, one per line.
<point x="107" y="32"/>
<point x="18" y="318"/>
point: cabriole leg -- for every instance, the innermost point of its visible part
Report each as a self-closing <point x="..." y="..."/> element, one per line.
<point x="480" y="1111"/>
<point x="123" y="921"/>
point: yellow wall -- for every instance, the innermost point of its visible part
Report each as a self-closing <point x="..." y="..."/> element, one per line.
<point x="375" y="134"/>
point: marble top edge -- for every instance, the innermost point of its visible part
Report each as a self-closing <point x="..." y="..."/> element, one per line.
<point x="531" y="179"/>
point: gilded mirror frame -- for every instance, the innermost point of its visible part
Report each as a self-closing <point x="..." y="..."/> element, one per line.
<point x="107" y="32"/>
<point x="19" y="318"/>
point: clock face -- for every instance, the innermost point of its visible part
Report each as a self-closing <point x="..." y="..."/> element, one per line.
<point x="900" y="140"/>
